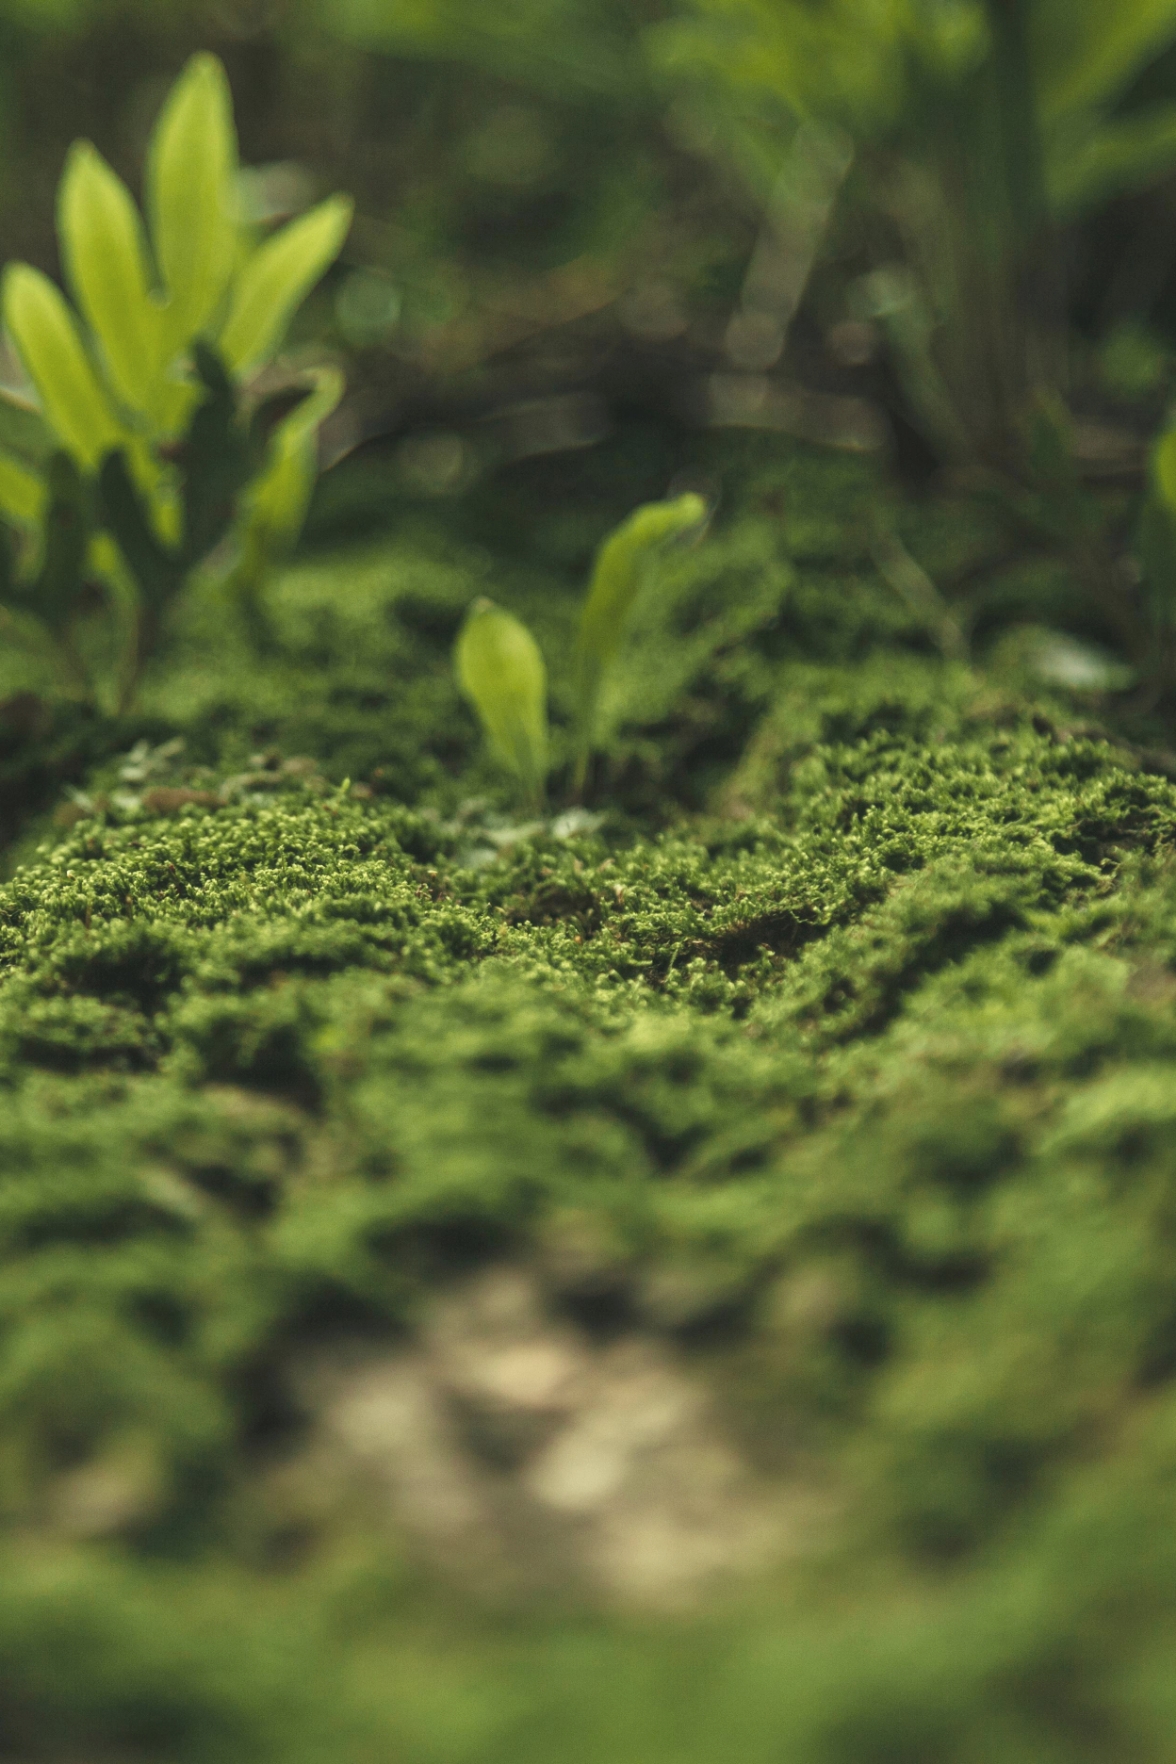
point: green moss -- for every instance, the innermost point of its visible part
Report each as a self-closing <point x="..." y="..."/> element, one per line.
<point x="854" y="1066"/>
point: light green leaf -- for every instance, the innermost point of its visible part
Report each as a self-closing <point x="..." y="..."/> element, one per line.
<point x="22" y="493"/>
<point x="501" y="671"/>
<point x="192" y="199"/>
<point x="46" y="336"/>
<point x="1164" y="469"/>
<point x="277" y="278"/>
<point x="616" y="579"/>
<point x="280" y="496"/>
<point x="105" y="257"/>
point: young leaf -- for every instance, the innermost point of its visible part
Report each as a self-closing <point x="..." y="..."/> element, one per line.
<point x="105" y="258"/>
<point x="46" y="337"/>
<point x="214" y="466"/>
<point x="192" y="198"/>
<point x="277" y="278"/>
<point x="278" y="500"/>
<point x="274" y="506"/>
<point x="616" y="578"/>
<point x="501" y="671"/>
<point x="1163" y="465"/>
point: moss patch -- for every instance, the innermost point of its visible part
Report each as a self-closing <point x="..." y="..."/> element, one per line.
<point x="852" y="1067"/>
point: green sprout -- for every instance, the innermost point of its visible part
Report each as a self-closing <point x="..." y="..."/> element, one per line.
<point x="1155" y="551"/>
<point x="622" y="565"/>
<point x="501" y="669"/>
<point x="150" y="461"/>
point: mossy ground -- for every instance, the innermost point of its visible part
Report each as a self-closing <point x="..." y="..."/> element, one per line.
<point x="855" y="1011"/>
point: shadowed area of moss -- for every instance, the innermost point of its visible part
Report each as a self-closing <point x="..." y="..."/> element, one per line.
<point x="847" y="1081"/>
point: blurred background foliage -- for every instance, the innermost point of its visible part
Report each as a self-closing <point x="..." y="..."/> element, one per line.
<point x="515" y="183"/>
<point x="569" y="210"/>
<point x="594" y="240"/>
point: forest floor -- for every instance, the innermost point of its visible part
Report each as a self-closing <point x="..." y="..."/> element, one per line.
<point x="690" y="1278"/>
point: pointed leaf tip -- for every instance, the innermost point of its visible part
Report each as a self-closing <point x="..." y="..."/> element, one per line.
<point x="192" y="197"/>
<point x="49" y="343"/>
<point x="616" y="580"/>
<point x="273" y="283"/>
<point x="104" y="251"/>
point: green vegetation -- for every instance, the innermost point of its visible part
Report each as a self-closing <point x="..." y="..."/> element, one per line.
<point x="588" y="1172"/>
<point x="501" y="670"/>
<point x="149" y="461"/>
<point x="981" y="126"/>
<point x="855" y="1080"/>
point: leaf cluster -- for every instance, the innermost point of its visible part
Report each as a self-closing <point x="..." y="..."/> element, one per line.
<point x="501" y="669"/>
<point x="151" y="465"/>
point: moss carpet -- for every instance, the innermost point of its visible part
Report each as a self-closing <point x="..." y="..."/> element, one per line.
<point x="829" y="1062"/>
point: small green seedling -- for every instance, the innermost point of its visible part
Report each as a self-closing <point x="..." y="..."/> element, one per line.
<point x="152" y="462"/>
<point x="619" y="572"/>
<point x="501" y="670"/>
<point x="1155" y="649"/>
<point x="502" y="673"/>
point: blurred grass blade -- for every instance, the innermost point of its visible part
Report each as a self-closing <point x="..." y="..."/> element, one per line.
<point x="22" y="493"/>
<point x="46" y="337"/>
<point x="1116" y="156"/>
<point x="277" y="278"/>
<point x="501" y="671"/>
<point x="192" y="199"/>
<point x="105" y="257"/>
<point x="616" y="579"/>
<point x="1085" y="52"/>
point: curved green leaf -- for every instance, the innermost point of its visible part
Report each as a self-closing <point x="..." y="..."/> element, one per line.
<point x="501" y="671"/>
<point x="616" y="578"/>
<point x="1163" y="465"/>
<point x="192" y="199"/>
<point x="279" y="498"/>
<point x="105" y="256"/>
<point x="277" y="278"/>
<point x="46" y="336"/>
